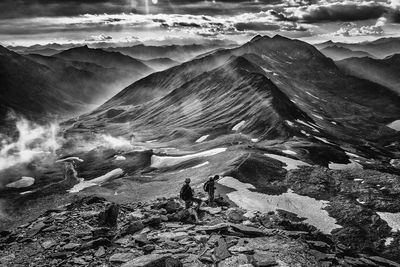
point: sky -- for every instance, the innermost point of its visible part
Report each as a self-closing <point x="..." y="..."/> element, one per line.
<point x="159" y="22"/>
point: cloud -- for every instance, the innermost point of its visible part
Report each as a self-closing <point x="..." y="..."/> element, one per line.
<point x="344" y="11"/>
<point x="99" y="38"/>
<point x="351" y="29"/>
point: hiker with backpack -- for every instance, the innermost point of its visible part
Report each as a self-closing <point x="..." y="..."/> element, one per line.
<point x="186" y="195"/>
<point x="209" y="187"/>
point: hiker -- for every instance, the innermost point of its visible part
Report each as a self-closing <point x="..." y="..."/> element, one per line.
<point x="187" y="195"/>
<point x="209" y="187"/>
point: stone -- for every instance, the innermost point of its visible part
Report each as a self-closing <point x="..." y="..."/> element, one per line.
<point x="213" y="228"/>
<point x="171" y="206"/>
<point x="141" y="240"/>
<point x="6" y="259"/>
<point x="96" y="243"/>
<point x="100" y="252"/>
<point x="136" y="215"/>
<point x="71" y="246"/>
<point x="48" y="244"/>
<point x="154" y="220"/>
<point x="201" y="238"/>
<point x="248" y="230"/>
<point x="147" y="249"/>
<point x="122" y="257"/>
<point x="239" y="260"/>
<point x="35" y="229"/>
<point x="79" y="261"/>
<point x="100" y="232"/>
<point x="133" y="227"/>
<point x="212" y="211"/>
<point x="241" y="249"/>
<point x="236" y="215"/>
<point x="221" y="252"/>
<point x="173" y="236"/>
<point x="151" y="260"/>
<point x="109" y="217"/>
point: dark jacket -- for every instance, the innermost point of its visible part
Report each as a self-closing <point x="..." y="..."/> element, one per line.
<point x="186" y="192"/>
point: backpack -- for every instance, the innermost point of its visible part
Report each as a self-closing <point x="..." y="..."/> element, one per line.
<point x="186" y="193"/>
<point x="206" y="186"/>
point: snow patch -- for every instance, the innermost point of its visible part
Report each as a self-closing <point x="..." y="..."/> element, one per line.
<point x="317" y="116"/>
<point x="238" y="126"/>
<point x="291" y="164"/>
<point x="392" y="219"/>
<point x="303" y="206"/>
<point x="316" y="97"/>
<point x="22" y="183"/>
<point x="395" y="125"/>
<point x="167" y="161"/>
<point x="97" y="181"/>
<point x="352" y="155"/>
<point x="290" y="123"/>
<point x="289" y="152"/>
<point x="70" y="159"/>
<point x="255" y="140"/>
<point x="119" y="158"/>
<point x="203" y="138"/>
<point x="353" y="165"/>
<point x="308" y="125"/>
<point x="324" y="140"/>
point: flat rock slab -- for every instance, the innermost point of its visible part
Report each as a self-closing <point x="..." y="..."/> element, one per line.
<point x="248" y="230"/>
<point x="214" y="228"/>
<point x="221" y="252"/>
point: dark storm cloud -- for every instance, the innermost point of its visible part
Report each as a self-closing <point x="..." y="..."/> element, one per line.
<point x="340" y="12"/>
<point x="256" y="26"/>
<point x="38" y="8"/>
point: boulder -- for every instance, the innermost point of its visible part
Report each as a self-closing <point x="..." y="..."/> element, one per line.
<point x="109" y="217"/>
<point x="221" y="252"/>
<point x="236" y="215"/>
<point x="154" y="220"/>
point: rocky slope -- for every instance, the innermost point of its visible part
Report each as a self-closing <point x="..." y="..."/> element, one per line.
<point x="94" y="232"/>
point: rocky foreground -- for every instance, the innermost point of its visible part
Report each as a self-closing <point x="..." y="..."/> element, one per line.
<point x="94" y="232"/>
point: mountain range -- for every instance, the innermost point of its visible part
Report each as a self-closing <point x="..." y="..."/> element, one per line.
<point x="311" y="81"/>
<point x="382" y="71"/>
<point x="63" y="85"/>
<point x="379" y="48"/>
<point x="338" y="53"/>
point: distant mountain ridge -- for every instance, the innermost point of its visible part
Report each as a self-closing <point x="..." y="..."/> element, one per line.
<point x="338" y="53"/>
<point x="382" y="71"/>
<point x="379" y="48"/>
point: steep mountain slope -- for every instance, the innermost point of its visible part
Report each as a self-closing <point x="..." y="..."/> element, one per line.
<point x="40" y="87"/>
<point x="382" y="71"/>
<point x="306" y="76"/>
<point x="29" y="88"/>
<point x="218" y="100"/>
<point x="106" y="59"/>
<point x="338" y="53"/>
